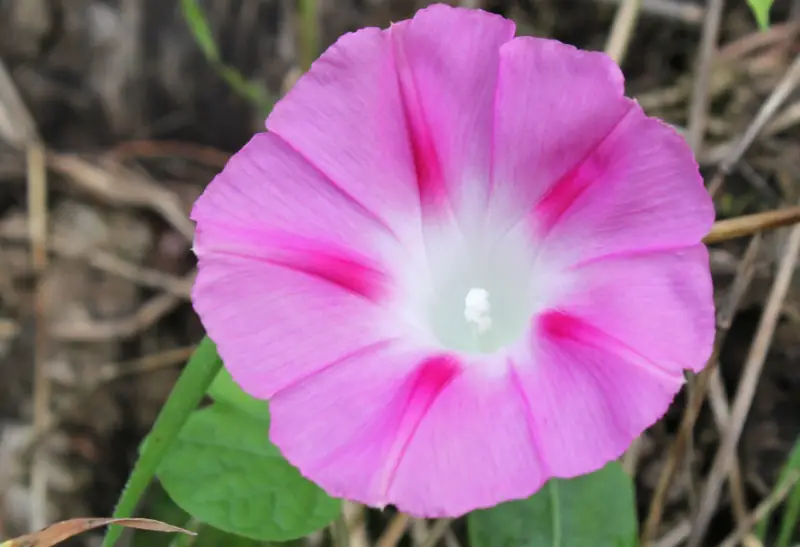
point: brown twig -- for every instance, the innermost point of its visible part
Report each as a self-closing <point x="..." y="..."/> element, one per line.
<point x="725" y="316"/>
<point x="18" y="128"/>
<point x="788" y="83"/>
<point x="698" y="105"/>
<point x="744" y="395"/>
<point x="676" y="536"/>
<point x="355" y="514"/>
<point x="695" y="134"/>
<point x="149" y="363"/>
<point x="670" y="9"/>
<point x="37" y="217"/>
<point x="394" y="531"/>
<point x="110" y="263"/>
<point x="760" y="39"/>
<point x="117" y="184"/>
<point x="763" y="509"/>
<point x="124" y="328"/>
<point x="733" y="228"/>
<point x="720" y="408"/>
<point x="205" y="155"/>
<point x="622" y="29"/>
<point x="436" y="532"/>
<point x="786" y="119"/>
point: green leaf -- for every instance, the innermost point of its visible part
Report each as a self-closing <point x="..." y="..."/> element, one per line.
<point x="159" y="506"/>
<point x="196" y="19"/>
<point x="224" y="390"/>
<point x="201" y="30"/>
<point x="760" y="9"/>
<point x="791" y="514"/>
<point x="595" y="510"/>
<point x="190" y="388"/>
<point x="224" y="472"/>
<point x="209" y="536"/>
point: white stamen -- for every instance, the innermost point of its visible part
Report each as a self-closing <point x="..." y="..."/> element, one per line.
<point x="477" y="309"/>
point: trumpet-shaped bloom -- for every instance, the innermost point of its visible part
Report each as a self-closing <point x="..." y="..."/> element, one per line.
<point x="457" y="264"/>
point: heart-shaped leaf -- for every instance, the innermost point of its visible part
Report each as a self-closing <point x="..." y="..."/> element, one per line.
<point x="224" y="390"/>
<point x="223" y="471"/>
<point x="595" y="510"/>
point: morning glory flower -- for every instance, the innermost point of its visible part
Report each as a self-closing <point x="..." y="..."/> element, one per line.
<point x="457" y="264"/>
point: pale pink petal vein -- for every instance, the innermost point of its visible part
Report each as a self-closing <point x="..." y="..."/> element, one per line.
<point x="457" y="264"/>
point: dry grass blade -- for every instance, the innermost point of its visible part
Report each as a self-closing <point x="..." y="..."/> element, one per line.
<point x="123" y="328"/>
<point x="57" y="533"/>
<point x="622" y="29"/>
<point x="767" y="111"/>
<point x="721" y="410"/>
<point x="18" y="128"/>
<point x="702" y="80"/>
<point x="724" y="230"/>
<point x="744" y="396"/>
<point x="772" y="501"/>
<point x="436" y="533"/>
<point x="107" y="262"/>
<point x="670" y="9"/>
<point x="725" y="314"/>
<point x="394" y="531"/>
<point x="206" y="155"/>
<point x="114" y="182"/>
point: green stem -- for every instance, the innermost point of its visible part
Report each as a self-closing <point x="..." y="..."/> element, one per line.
<point x="189" y="390"/>
<point x="309" y="32"/>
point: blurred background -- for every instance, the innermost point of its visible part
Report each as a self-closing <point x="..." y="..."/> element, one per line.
<point x="114" y="115"/>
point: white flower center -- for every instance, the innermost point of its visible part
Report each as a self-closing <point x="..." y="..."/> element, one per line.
<point x="476" y="292"/>
<point x="477" y="309"/>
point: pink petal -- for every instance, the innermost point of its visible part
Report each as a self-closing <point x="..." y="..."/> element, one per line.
<point x="659" y="304"/>
<point x="275" y="325"/>
<point x="347" y="426"/>
<point x="338" y="426"/>
<point x="473" y="450"/>
<point x="268" y="195"/>
<point x="554" y="105"/>
<point x="430" y="434"/>
<point x="447" y="61"/>
<point x="345" y="117"/>
<point x="328" y="290"/>
<point x="588" y="394"/>
<point x="639" y="190"/>
<point x="282" y="252"/>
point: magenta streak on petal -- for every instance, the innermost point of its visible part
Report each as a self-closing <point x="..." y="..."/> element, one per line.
<point x="430" y="179"/>
<point x="342" y="271"/>
<point x="432" y="377"/>
<point x="359" y="353"/>
<point x="559" y="325"/>
<point x="324" y="261"/>
<point x="516" y="383"/>
<point x="560" y="197"/>
<point x="340" y="190"/>
<point x="632" y="253"/>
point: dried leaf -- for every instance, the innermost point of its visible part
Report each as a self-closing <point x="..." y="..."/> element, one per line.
<point x="61" y="531"/>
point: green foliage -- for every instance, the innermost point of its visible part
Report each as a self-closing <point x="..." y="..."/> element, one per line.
<point x="223" y="471"/>
<point x="761" y="11"/>
<point x="595" y="510"/>
<point x="160" y="507"/>
<point x="791" y="515"/>
<point x="224" y="390"/>
<point x="211" y="537"/>
<point x="195" y="18"/>
<point x="190" y="388"/>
